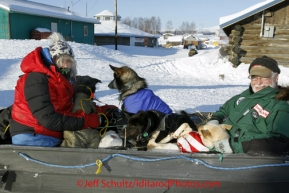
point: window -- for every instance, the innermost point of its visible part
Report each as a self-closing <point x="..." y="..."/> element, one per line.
<point x="85" y="31"/>
<point x="54" y="27"/>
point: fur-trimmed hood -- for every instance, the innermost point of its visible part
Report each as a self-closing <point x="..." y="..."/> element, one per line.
<point x="283" y="94"/>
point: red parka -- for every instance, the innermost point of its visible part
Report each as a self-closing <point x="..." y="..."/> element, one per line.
<point x="43" y="100"/>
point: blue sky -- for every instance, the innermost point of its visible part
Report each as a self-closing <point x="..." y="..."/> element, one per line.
<point x="204" y="13"/>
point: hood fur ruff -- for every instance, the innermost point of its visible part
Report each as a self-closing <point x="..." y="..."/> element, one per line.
<point x="283" y="95"/>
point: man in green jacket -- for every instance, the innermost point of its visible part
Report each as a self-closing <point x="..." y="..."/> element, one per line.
<point x="259" y="116"/>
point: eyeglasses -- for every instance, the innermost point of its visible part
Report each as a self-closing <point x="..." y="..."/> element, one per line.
<point x="256" y="78"/>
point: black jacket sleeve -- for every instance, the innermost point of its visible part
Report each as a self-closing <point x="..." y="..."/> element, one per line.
<point x="37" y="95"/>
<point x="267" y="146"/>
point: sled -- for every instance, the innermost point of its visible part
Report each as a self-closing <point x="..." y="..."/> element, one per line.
<point x="58" y="169"/>
<point x="63" y="169"/>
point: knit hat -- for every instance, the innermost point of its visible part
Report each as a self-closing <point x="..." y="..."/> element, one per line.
<point x="191" y="142"/>
<point x="59" y="46"/>
<point x="263" y="67"/>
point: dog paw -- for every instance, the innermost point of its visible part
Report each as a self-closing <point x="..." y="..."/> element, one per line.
<point x="182" y="134"/>
<point x="152" y="144"/>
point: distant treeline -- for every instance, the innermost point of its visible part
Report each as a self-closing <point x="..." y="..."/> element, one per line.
<point x="153" y="25"/>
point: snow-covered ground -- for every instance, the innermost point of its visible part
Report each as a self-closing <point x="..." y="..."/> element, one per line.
<point x="185" y="83"/>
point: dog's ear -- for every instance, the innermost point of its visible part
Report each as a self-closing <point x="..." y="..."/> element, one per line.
<point x="95" y="81"/>
<point x="139" y="119"/>
<point x="116" y="70"/>
<point x="112" y="67"/>
<point x="83" y="82"/>
<point x="226" y="126"/>
<point x="92" y="84"/>
<point x="206" y="133"/>
<point x="141" y="113"/>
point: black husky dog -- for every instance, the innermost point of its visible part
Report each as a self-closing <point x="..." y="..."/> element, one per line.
<point x="84" y="94"/>
<point x="134" y="92"/>
<point x="85" y="89"/>
<point x="153" y="129"/>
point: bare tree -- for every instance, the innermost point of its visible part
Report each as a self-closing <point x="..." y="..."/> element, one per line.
<point x="187" y="28"/>
<point x="158" y="25"/>
<point x="127" y="21"/>
<point x="141" y="23"/>
<point x="192" y="28"/>
<point x="147" y="26"/>
<point x="169" y="26"/>
<point x="135" y="23"/>
<point x="153" y="25"/>
<point x="183" y="27"/>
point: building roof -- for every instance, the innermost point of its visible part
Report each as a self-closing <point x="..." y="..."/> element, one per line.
<point x="33" y="8"/>
<point x="231" y="19"/>
<point x="177" y="38"/>
<point x="168" y="34"/>
<point x="187" y="36"/>
<point x="106" y="13"/>
<point x="42" y="29"/>
<point x="108" y="28"/>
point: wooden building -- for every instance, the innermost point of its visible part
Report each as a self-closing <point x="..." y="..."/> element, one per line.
<point x="176" y="40"/>
<point x="262" y="30"/>
<point x="18" y="19"/>
<point x="167" y="35"/>
<point x="189" y="40"/>
<point x="40" y="33"/>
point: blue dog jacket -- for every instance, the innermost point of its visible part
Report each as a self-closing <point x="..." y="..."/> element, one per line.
<point x="145" y="100"/>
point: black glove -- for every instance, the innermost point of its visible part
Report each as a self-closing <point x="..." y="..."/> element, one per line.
<point x="118" y="117"/>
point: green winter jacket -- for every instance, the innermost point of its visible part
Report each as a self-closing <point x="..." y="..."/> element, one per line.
<point x="260" y="122"/>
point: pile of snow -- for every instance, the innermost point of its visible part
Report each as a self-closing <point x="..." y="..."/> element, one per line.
<point x="199" y="83"/>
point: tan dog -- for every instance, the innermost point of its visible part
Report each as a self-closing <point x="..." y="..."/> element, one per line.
<point x="163" y="144"/>
<point x="212" y="133"/>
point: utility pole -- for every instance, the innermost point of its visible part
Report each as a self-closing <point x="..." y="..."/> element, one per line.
<point x="115" y="2"/>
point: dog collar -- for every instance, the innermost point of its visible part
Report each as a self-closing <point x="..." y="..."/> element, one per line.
<point x="91" y="93"/>
<point x="162" y="126"/>
<point x="145" y="134"/>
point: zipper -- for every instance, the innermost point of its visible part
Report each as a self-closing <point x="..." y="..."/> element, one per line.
<point x="245" y="113"/>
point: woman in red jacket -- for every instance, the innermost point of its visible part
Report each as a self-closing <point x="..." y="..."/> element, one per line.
<point x="44" y="97"/>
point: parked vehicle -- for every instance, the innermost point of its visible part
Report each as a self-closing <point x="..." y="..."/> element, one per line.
<point x="204" y="46"/>
<point x="193" y="51"/>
